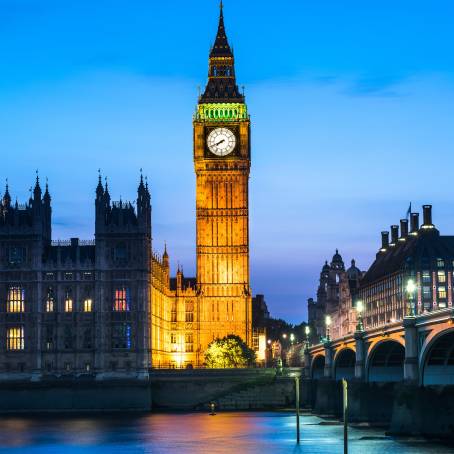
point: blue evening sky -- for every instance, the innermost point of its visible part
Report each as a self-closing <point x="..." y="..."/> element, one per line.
<point x="352" y="104"/>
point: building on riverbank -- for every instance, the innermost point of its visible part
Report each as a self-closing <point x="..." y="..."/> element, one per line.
<point x="335" y="294"/>
<point x="109" y="306"/>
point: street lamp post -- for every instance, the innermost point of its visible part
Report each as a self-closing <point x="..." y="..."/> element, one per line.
<point x="359" y="311"/>
<point x="307" y="331"/>
<point x="411" y="288"/>
<point x="328" y="324"/>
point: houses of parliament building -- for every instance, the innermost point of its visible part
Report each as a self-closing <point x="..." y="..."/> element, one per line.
<point x="109" y="307"/>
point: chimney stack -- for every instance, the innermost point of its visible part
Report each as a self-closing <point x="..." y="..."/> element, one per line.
<point x="384" y="241"/>
<point x="414" y="217"/>
<point x="403" y="229"/>
<point x="427" y="217"/>
<point x="394" y="235"/>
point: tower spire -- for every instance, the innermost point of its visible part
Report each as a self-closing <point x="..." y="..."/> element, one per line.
<point x="7" y="197"/>
<point x="221" y="85"/>
<point x="37" y="190"/>
<point x="46" y="192"/>
<point x="99" y="188"/>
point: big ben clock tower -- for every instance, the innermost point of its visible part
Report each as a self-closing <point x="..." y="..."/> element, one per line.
<point x="222" y="164"/>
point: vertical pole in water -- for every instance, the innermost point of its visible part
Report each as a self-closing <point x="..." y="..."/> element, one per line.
<point x="297" y="404"/>
<point x="345" y="408"/>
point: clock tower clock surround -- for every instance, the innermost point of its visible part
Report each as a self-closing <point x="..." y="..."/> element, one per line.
<point x="222" y="159"/>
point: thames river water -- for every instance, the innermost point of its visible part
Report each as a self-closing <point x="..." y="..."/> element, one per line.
<point x="232" y="433"/>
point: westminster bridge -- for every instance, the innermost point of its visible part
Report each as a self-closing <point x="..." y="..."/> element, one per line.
<point x="418" y="349"/>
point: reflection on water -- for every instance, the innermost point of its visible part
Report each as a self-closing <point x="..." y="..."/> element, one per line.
<point x="232" y="433"/>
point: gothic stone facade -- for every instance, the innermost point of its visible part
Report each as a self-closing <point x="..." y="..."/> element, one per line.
<point x="109" y="307"/>
<point x="335" y="297"/>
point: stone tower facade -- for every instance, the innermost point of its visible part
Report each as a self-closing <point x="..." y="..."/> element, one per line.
<point x="222" y="162"/>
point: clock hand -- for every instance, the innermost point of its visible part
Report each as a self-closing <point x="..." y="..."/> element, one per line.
<point x="219" y="143"/>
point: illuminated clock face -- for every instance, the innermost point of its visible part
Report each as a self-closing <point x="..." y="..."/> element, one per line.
<point x="221" y="141"/>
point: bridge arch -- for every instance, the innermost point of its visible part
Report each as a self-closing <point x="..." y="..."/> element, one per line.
<point x="344" y="364"/>
<point x="385" y="361"/>
<point x="437" y="359"/>
<point x="318" y="367"/>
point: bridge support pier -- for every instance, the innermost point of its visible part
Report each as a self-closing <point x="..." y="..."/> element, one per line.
<point x="411" y="366"/>
<point x="329" y="356"/>
<point x="360" y="373"/>
<point x="307" y="363"/>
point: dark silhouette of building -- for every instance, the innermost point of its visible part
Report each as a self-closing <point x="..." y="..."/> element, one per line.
<point x="75" y="307"/>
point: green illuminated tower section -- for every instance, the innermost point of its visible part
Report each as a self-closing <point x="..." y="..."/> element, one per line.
<point x="222" y="164"/>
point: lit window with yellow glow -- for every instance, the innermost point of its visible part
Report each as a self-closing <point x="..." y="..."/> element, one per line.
<point x="50" y="300"/>
<point x="442" y="292"/>
<point x="189" y="342"/>
<point x="15" y="300"/>
<point x="68" y="302"/>
<point x="15" y="338"/>
<point x="441" y="275"/>
<point x="189" y="315"/>
<point x="173" y="341"/>
<point x="88" y="305"/>
<point x="122" y="299"/>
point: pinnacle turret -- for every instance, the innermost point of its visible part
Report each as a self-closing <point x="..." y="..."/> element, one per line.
<point x="37" y="190"/>
<point x="46" y="196"/>
<point x="99" y="188"/>
<point x="7" y="197"/>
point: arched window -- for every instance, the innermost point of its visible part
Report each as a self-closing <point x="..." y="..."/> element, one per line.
<point x="16" y="299"/>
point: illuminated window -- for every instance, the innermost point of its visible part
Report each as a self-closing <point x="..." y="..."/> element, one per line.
<point x="68" y="301"/>
<point x="442" y="292"/>
<point x="50" y="300"/>
<point x="49" y="338"/>
<point x="88" y="305"/>
<point x="15" y="338"/>
<point x="189" y="314"/>
<point x="426" y="277"/>
<point x="189" y="342"/>
<point x="121" y="335"/>
<point x="441" y="277"/>
<point x="122" y="299"/>
<point x="440" y="263"/>
<point x="173" y="338"/>
<point x="15" y="300"/>
<point x="427" y="292"/>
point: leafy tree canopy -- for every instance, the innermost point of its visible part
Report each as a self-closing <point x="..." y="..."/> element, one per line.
<point x="229" y="352"/>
